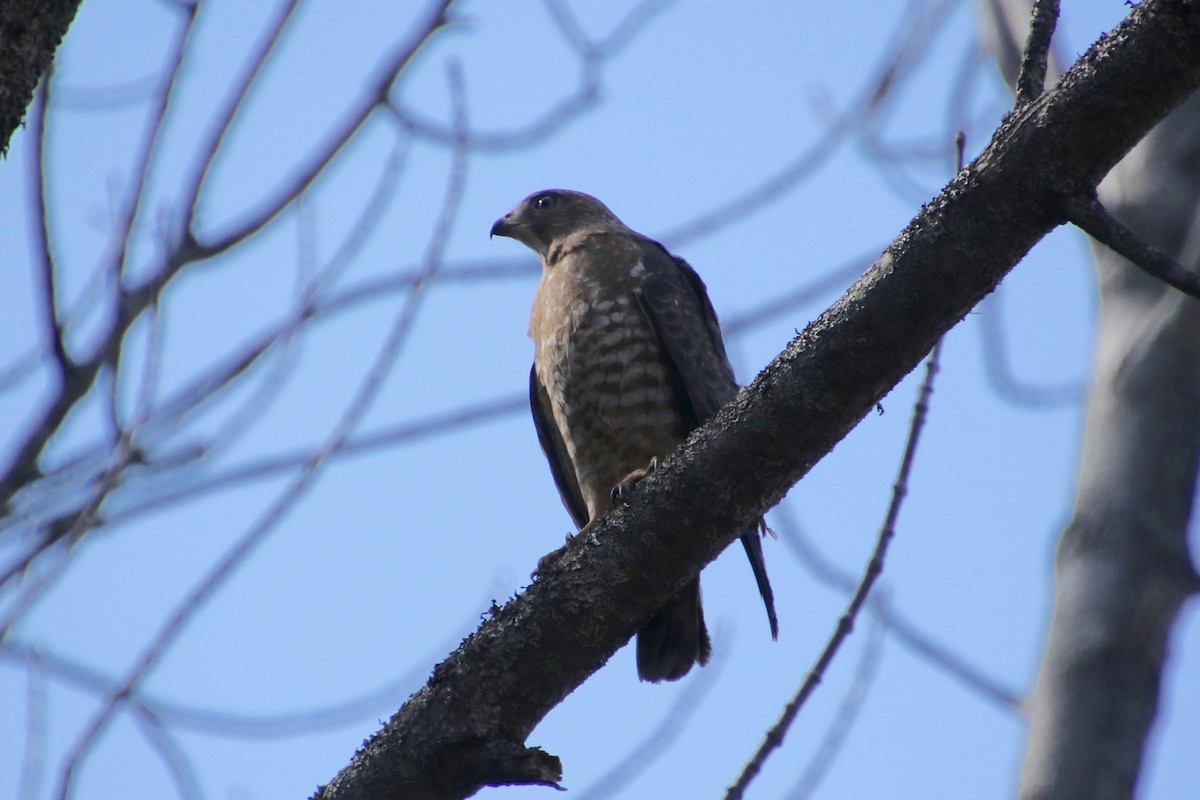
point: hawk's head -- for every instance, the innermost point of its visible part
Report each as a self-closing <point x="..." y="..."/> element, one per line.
<point x="546" y="216"/>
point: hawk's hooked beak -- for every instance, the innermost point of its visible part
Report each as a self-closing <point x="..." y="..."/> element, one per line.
<point x="502" y="227"/>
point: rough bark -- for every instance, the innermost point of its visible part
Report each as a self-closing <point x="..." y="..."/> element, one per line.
<point x="487" y="696"/>
<point x="30" y="31"/>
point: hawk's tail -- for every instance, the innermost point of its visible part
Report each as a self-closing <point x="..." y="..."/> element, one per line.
<point x="674" y="638"/>
<point x="753" y="544"/>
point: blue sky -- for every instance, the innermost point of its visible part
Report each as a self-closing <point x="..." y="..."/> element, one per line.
<point x="392" y="556"/>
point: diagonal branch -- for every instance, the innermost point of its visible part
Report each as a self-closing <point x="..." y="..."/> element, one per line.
<point x="774" y="737"/>
<point x="1092" y="218"/>
<point x="487" y="696"/>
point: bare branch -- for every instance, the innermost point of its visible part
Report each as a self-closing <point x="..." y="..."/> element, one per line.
<point x="217" y="723"/>
<point x="358" y="406"/>
<point x="44" y="252"/>
<point x="107" y="98"/>
<point x="592" y="56"/>
<point x="998" y="367"/>
<point x="646" y="752"/>
<point x="374" y="97"/>
<point x="1031" y="80"/>
<point x="774" y="737"/>
<point x="141" y="170"/>
<point x="1093" y="219"/>
<point x="173" y="756"/>
<point x="77" y="380"/>
<point x="223" y="120"/>
<point x="908" y="633"/>
<point x="35" y="728"/>
<point x="831" y="743"/>
<point x="489" y="694"/>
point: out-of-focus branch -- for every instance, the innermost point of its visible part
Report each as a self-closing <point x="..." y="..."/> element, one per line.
<point x="131" y="302"/>
<point x="646" y="752"/>
<point x="50" y="665"/>
<point x="467" y="726"/>
<point x="1123" y="567"/>
<point x="831" y="743"/>
<point x="374" y="97"/>
<point x="367" y="392"/>
<point x="999" y="369"/>
<point x="899" y="61"/>
<point x="32" y="762"/>
<point x="592" y="55"/>
<point x="223" y="119"/>
<point x="774" y="737"/>
<point x="178" y="764"/>
<point x="905" y="631"/>
<point x="77" y="379"/>
<point x="359" y="404"/>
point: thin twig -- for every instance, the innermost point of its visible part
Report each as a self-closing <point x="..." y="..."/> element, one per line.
<point x="372" y="99"/>
<point x="906" y="632"/>
<point x="643" y="754"/>
<point x="261" y="469"/>
<point x="139" y="184"/>
<point x="242" y="726"/>
<point x="35" y="728"/>
<point x="835" y="737"/>
<point x="360" y="403"/>
<point x="583" y="97"/>
<point x="173" y="756"/>
<point x="775" y="735"/>
<point x="43" y="250"/>
<point x="998" y="366"/>
<point x="223" y="120"/>
<point x="1094" y="219"/>
<point x="1031" y="80"/>
<point x="78" y="380"/>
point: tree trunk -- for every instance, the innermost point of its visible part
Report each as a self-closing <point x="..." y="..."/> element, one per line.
<point x="1123" y="567"/>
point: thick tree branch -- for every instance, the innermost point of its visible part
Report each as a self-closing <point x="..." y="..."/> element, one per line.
<point x="535" y="650"/>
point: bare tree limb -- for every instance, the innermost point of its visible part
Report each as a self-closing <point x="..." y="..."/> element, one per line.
<point x="906" y="632"/>
<point x="774" y="738"/>
<point x="488" y="695"/>
<point x="1093" y="219"/>
<point x="1031" y="80"/>
<point x="367" y="391"/>
<point x="45" y="252"/>
<point x="650" y="747"/>
<point x="835" y="736"/>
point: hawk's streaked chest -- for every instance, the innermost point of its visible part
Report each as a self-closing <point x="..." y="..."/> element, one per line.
<point x="607" y="378"/>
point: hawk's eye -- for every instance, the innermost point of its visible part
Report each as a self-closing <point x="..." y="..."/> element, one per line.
<point x="546" y="201"/>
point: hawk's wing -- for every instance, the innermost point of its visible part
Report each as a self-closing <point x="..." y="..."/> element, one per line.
<point x="675" y="301"/>
<point x="556" y="451"/>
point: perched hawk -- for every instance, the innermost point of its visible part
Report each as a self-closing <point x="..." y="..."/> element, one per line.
<point x="628" y="359"/>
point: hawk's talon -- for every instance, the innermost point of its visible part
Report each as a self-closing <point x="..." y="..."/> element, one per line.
<point x="545" y="561"/>
<point x="623" y="491"/>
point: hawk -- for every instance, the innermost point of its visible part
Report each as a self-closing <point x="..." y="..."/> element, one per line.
<point x="628" y="359"/>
